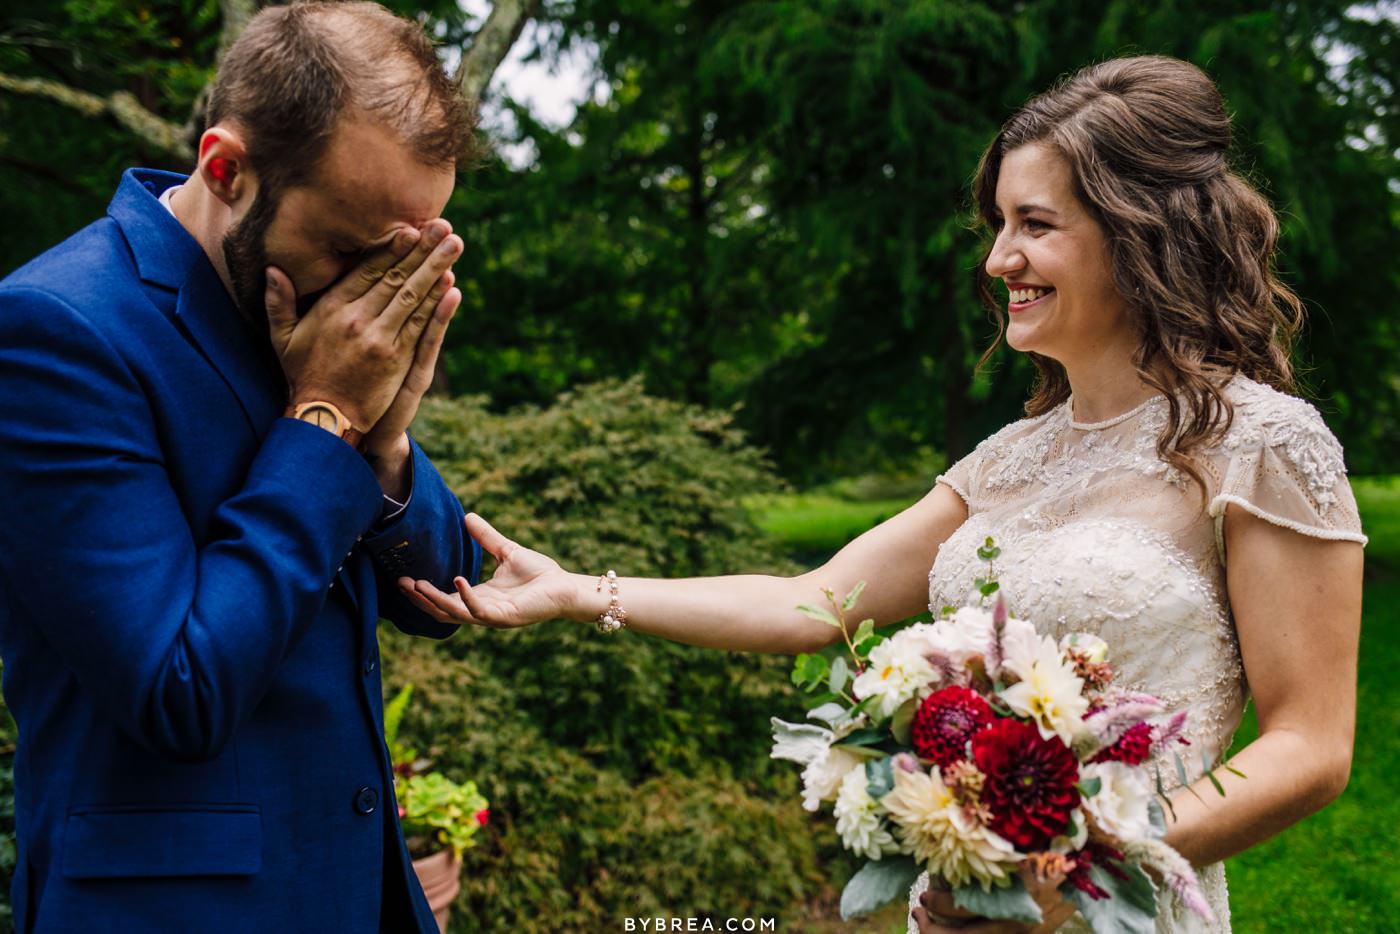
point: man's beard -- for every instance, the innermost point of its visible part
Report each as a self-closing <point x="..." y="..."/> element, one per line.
<point x="245" y="254"/>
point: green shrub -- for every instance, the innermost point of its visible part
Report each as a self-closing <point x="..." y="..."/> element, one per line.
<point x="627" y="775"/>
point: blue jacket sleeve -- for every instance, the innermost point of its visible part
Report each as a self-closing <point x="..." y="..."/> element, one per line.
<point x="179" y="639"/>
<point x="427" y="541"/>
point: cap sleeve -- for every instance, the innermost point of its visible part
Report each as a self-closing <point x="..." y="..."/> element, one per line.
<point x="1285" y="466"/>
<point x="958" y="477"/>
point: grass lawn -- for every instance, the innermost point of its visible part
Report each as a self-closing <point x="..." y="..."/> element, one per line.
<point x="1337" y="871"/>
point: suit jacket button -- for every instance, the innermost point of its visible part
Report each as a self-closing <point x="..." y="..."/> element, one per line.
<point x="366" y="800"/>
<point x="369" y="666"/>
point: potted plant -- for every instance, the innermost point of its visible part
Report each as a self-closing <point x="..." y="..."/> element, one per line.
<point x="439" y="817"/>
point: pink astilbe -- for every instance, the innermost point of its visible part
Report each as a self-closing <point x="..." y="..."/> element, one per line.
<point x="1174" y="870"/>
<point x="1170" y="733"/>
<point x="996" y="654"/>
<point x="949" y="672"/>
<point x="1119" y="712"/>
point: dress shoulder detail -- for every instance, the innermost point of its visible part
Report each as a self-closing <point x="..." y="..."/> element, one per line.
<point x="1283" y="464"/>
<point x="1012" y="444"/>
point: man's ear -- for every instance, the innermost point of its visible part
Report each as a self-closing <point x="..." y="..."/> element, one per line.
<point x="223" y="165"/>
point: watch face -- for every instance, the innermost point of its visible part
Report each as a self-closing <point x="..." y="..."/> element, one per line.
<point x="322" y="415"/>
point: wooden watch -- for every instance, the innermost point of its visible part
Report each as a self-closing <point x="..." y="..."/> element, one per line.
<point x="326" y="415"/>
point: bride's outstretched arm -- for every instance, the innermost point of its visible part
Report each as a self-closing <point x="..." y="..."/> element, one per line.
<point x="743" y="612"/>
<point x="1297" y="607"/>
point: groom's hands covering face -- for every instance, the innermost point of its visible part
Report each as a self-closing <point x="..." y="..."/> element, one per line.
<point x="369" y="344"/>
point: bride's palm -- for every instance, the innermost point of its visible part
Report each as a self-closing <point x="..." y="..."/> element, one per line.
<point x="527" y="587"/>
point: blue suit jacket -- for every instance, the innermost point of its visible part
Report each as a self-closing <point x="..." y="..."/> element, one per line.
<point x="189" y="588"/>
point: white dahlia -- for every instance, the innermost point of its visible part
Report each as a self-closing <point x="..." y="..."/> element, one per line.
<point x="824" y="774"/>
<point x="896" y="671"/>
<point x="858" y="818"/>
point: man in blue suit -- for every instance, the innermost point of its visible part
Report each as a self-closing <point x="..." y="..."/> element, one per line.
<point x="209" y="494"/>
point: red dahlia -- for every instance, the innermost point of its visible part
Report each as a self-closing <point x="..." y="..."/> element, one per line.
<point x="1030" y="782"/>
<point x="1132" y="747"/>
<point x="945" y="721"/>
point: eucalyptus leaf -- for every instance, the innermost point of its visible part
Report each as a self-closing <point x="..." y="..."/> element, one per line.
<point x="1181" y="771"/>
<point x="876" y="884"/>
<point x="864" y="631"/>
<point x="879" y="777"/>
<point x="1004" y="903"/>
<point x="901" y="725"/>
<point x="1131" y="907"/>
<point x="840" y="673"/>
<point x="817" y="613"/>
<point x="1157" y="819"/>
<point x="1090" y="786"/>
<point x="849" y="603"/>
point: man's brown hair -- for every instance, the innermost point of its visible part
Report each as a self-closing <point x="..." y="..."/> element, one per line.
<point x="297" y="71"/>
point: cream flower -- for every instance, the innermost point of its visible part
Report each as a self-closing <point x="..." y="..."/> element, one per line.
<point x="896" y="671"/>
<point x="1121" y="805"/>
<point x="1094" y="649"/>
<point x="1049" y="692"/>
<point x="936" y="830"/>
<point x="858" y="818"/>
<point x="824" y="774"/>
<point x="966" y="633"/>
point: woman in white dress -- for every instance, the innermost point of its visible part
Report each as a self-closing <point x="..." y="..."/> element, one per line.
<point x="1166" y="492"/>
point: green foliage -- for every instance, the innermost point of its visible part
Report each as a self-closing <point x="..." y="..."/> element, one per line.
<point x="434" y="811"/>
<point x="437" y="813"/>
<point x="627" y="775"/>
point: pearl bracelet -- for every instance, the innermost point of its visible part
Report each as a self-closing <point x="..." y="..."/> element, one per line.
<point x="614" y="617"/>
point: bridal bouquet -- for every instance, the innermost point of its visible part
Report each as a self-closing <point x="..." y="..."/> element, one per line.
<point x="973" y="746"/>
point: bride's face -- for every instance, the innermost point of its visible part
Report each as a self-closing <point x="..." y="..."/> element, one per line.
<point x="1053" y="257"/>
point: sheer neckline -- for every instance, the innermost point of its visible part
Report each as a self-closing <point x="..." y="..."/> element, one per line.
<point x="1108" y="422"/>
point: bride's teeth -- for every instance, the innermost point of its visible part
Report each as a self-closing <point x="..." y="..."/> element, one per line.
<point x="1021" y="296"/>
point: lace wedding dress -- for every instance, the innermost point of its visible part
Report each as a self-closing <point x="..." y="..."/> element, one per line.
<point x="1097" y="534"/>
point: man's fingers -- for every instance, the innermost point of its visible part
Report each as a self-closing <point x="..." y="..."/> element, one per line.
<point x="425" y="356"/>
<point x="396" y="291"/>
<point x="280" y="297"/>
<point x="422" y="315"/>
<point x="373" y="269"/>
<point x="399" y="312"/>
<point x="495" y="544"/>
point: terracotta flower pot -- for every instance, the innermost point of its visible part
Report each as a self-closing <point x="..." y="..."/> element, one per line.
<point x="440" y="874"/>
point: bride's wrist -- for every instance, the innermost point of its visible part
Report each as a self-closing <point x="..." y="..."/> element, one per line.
<point x="588" y="601"/>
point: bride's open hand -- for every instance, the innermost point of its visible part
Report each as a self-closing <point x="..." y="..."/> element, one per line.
<point x="528" y="587"/>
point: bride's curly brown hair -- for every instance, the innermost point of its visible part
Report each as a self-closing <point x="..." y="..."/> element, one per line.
<point x="1191" y="243"/>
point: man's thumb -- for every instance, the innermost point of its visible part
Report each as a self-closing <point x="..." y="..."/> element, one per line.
<point x="280" y="298"/>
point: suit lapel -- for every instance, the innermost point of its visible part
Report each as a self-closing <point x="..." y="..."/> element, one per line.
<point x="231" y="346"/>
<point x="167" y="256"/>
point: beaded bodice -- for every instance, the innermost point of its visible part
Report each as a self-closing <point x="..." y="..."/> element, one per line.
<point x="1098" y="534"/>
